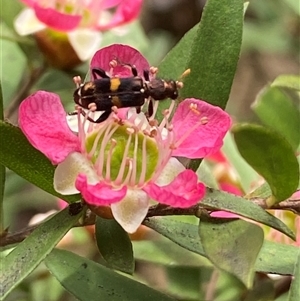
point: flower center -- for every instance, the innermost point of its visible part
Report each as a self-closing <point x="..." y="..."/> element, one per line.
<point x="122" y="154"/>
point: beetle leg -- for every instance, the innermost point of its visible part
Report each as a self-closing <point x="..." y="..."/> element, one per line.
<point x="150" y="108"/>
<point x="132" y="68"/>
<point x="100" y="72"/>
<point x="103" y="117"/>
<point x="146" y="75"/>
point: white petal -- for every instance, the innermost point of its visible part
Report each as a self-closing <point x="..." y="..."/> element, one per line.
<point x="131" y="211"/>
<point x="27" y="23"/>
<point x="66" y="173"/>
<point x="139" y="120"/>
<point x="170" y="171"/>
<point x="72" y="120"/>
<point x="85" y="42"/>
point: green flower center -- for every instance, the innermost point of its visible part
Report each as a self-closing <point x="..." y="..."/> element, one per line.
<point x="122" y="155"/>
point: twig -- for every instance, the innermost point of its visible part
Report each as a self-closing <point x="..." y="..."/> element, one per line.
<point x="156" y="210"/>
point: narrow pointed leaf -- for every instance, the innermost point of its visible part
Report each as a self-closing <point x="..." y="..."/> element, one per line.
<point x="114" y="245"/>
<point x="167" y="253"/>
<point x="273" y="257"/>
<point x="184" y="234"/>
<point x="2" y="170"/>
<point x="215" y="52"/>
<point x="277" y="258"/>
<point x="263" y="191"/>
<point x="22" y="158"/>
<point x="287" y="81"/>
<point x="18" y="264"/>
<point x="87" y="280"/>
<point x="271" y="156"/>
<point x="294" y="293"/>
<point x="246" y="173"/>
<point x="174" y="63"/>
<point x="232" y="245"/>
<point x="274" y="108"/>
<point x="222" y="200"/>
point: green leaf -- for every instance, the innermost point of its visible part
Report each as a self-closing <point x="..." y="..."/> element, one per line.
<point x="294" y="293"/>
<point x="18" y="264"/>
<point x="215" y="52"/>
<point x="86" y="279"/>
<point x="287" y="81"/>
<point x="232" y="245"/>
<point x="206" y="175"/>
<point x="263" y="191"/>
<point x="114" y="245"/>
<point x="247" y="175"/>
<point x="294" y="5"/>
<point x="165" y="252"/>
<point x="22" y="158"/>
<point x="274" y="108"/>
<point x="271" y="156"/>
<point x="176" y="60"/>
<point x="183" y="282"/>
<point x="9" y="10"/>
<point x="13" y="65"/>
<point x="222" y="200"/>
<point x="273" y="257"/>
<point x="184" y="234"/>
<point x="276" y="258"/>
<point x="2" y="170"/>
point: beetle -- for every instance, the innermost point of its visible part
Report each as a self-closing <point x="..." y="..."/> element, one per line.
<point x="104" y="93"/>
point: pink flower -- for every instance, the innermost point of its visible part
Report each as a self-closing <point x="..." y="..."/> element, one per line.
<point x="123" y="162"/>
<point x="81" y="20"/>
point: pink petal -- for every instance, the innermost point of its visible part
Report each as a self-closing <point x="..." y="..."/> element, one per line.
<point x="100" y="194"/>
<point x="233" y="189"/>
<point x="217" y="157"/>
<point x="207" y="137"/>
<point x="127" y="11"/>
<point x="224" y="214"/>
<point x="29" y="2"/>
<point x="110" y="3"/>
<point x="56" y="19"/>
<point x="43" y="121"/>
<point x="183" y="192"/>
<point x="125" y="54"/>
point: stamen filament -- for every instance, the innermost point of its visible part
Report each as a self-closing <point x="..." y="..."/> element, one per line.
<point x="95" y="145"/>
<point x="120" y="176"/>
<point x="155" y="107"/>
<point x="101" y="155"/>
<point x="129" y="174"/>
<point x="144" y="162"/>
<point x="113" y="144"/>
<point x="189" y="131"/>
<point x="134" y="160"/>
